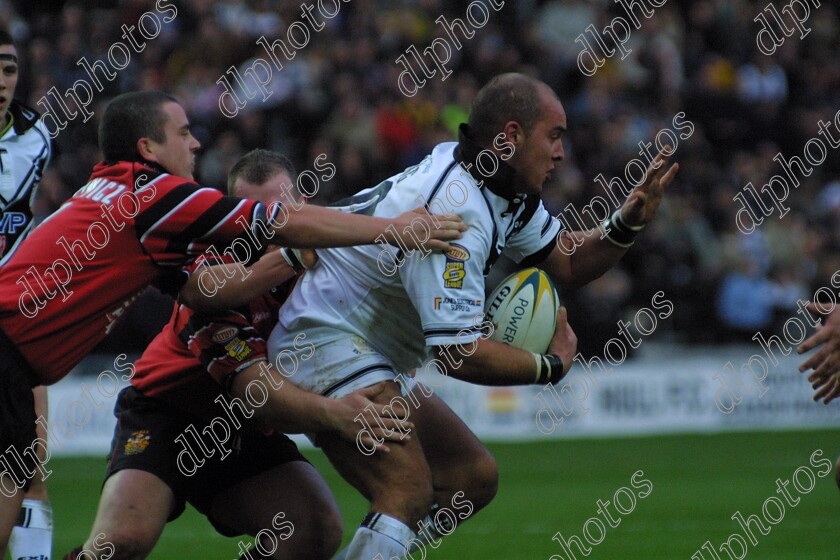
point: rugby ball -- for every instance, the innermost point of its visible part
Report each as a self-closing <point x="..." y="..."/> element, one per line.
<point x="523" y="310"/>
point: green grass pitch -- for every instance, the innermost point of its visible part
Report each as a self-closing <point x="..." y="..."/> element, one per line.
<point x="699" y="481"/>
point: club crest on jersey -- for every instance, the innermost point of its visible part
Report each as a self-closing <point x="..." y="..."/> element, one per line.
<point x="138" y="442"/>
<point x="453" y="274"/>
<point x="238" y="349"/>
<point x="224" y="334"/>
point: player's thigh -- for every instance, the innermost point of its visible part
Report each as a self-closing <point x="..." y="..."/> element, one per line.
<point x="132" y="512"/>
<point x="289" y="507"/>
<point x="401" y="475"/>
<point x="38" y="489"/>
<point x="459" y="462"/>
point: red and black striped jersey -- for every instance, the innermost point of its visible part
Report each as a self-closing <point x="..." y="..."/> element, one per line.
<point x="189" y="362"/>
<point x="132" y="225"/>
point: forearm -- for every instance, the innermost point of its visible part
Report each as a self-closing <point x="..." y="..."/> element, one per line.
<point x="289" y="409"/>
<point x="592" y="259"/>
<point x="492" y="363"/>
<point x="316" y="227"/>
<point x="205" y="293"/>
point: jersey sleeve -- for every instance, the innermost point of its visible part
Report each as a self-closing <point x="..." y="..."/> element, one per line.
<point x="179" y="220"/>
<point x="447" y="289"/>
<point x="533" y="242"/>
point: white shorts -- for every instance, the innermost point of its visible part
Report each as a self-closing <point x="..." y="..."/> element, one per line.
<point x="327" y="361"/>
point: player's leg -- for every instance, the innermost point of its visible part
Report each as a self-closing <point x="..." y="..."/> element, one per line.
<point x="17" y="434"/>
<point x="463" y="471"/>
<point x="140" y="491"/>
<point x="459" y="463"/>
<point x="32" y="534"/>
<point x="9" y="508"/>
<point x="288" y="510"/>
<point x="837" y="472"/>
<point x="398" y="485"/>
<point x="133" y="510"/>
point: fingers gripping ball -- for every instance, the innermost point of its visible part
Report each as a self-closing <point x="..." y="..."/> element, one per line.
<point x="523" y="309"/>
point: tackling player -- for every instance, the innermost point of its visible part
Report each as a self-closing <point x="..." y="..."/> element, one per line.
<point x="174" y="386"/>
<point x="139" y="220"/>
<point x="25" y="151"/>
<point x="372" y="315"/>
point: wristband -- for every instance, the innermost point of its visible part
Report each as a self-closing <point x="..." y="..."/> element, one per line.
<point x="292" y="258"/>
<point x="549" y="368"/>
<point x="618" y="232"/>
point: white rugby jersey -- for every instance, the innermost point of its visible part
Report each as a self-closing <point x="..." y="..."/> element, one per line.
<point x="426" y="301"/>
<point x="25" y="150"/>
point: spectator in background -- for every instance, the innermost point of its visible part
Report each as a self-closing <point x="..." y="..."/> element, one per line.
<point x="338" y="96"/>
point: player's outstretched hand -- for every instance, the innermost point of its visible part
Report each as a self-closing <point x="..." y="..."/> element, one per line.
<point x="564" y="341"/>
<point x="386" y="426"/>
<point x="417" y="229"/>
<point x="643" y="201"/>
<point x="825" y="363"/>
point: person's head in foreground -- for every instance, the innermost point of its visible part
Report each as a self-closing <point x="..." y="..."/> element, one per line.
<point x="148" y="126"/>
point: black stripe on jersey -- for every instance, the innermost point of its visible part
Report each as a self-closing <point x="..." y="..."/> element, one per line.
<point x="355" y="375"/>
<point x="32" y="176"/>
<point x="546" y="225"/>
<point x="439" y="183"/>
<point x="446" y="332"/>
<point x="536" y="258"/>
<point x="494" y="252"/>
<point x="204" y="223"/>
<point x="161" y="207"/>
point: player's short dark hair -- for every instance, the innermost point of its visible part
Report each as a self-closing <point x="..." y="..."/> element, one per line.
<point x="258" y="166"/>
<point x="128" y="118"/>
<point x="6" y="38"/>
<point x="505" y="98"/>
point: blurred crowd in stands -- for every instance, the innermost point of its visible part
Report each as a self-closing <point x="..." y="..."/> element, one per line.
<point x="339" y="97"/>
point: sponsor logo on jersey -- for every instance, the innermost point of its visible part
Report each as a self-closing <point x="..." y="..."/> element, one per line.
<point x="453" y="274"/>
<point x="12" y="222"/>
<point x="238" y="349"/>
<point x="457" y="253"/>
<point x="456" y="304"/>
<point x="138" y="442"/>
<point x="225" y="334"/>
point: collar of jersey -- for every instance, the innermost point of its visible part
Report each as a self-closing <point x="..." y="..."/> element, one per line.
<point x="154" y="166"/>
<point x="500" y="183"/>
<point x="23" y="117"/>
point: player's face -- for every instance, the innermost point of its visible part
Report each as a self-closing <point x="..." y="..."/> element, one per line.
<point x="8" y="80"/>
<point x="177" y="153"/>
<point x="537" y="152"/>
<point x="278" y="188"/>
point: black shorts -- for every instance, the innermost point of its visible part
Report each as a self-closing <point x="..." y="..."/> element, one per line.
<point x="152" y="436"/>
<point x="17" y="418"/>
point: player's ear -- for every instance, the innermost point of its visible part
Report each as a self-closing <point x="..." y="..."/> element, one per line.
<point x="514" y="132"/>
<point x="147" y="148"/>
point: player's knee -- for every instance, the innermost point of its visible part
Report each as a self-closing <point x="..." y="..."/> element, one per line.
<point x="484" y="480"/>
